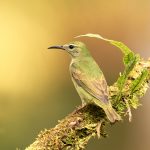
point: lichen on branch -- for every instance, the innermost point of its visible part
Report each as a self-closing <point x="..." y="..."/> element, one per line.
<point x="74" y="131"/>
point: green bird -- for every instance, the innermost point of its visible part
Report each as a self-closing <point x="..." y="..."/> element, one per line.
<point x="88" y="79"/>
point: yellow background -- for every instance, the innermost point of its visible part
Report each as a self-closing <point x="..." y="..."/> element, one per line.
<point x="35" y="85"/>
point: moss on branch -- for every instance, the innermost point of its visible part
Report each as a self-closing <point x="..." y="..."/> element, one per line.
<point x="73" y="132"/>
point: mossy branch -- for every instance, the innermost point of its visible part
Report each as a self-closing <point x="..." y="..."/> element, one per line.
<point x="74" y="131"/>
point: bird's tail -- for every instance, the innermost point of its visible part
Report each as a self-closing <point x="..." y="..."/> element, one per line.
<point x="112" y="114"/>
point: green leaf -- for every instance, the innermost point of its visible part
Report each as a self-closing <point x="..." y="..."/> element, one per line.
<point x="118" y="44"/>
<point x="128" y="54"/>
<point x="137" y="84"/>
<point x="128" y="58"/>
<point x="129" y="65"/>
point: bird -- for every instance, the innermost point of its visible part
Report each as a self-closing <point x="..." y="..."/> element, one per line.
<point x="88" y="78"/>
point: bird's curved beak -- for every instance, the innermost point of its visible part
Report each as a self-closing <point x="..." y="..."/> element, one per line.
<point x="57" y="47"/>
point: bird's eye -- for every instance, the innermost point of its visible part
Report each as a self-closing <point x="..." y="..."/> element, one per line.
<point x="71" y="46"/>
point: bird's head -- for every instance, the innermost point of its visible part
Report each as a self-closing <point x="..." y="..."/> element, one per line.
<point x="75" y="49"/>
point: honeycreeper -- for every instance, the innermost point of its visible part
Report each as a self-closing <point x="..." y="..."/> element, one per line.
<point x="88" y="78"/>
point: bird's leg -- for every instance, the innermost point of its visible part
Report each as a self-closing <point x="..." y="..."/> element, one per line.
<point x="83" y="100"/>
<point x="128" y="110"/>
<point x="83" y="103"/>
<point x="98" y="129"/>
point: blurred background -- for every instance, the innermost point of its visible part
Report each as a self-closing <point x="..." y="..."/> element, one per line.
<point x="35" y="85"/>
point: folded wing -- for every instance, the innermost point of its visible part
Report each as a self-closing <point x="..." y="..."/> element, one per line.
<point x="96" y="86"/>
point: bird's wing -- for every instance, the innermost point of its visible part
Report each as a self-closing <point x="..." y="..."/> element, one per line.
<point x="97" y="87"/>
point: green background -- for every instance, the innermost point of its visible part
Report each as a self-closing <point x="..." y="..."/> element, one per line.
<point x="35" y="85"/>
